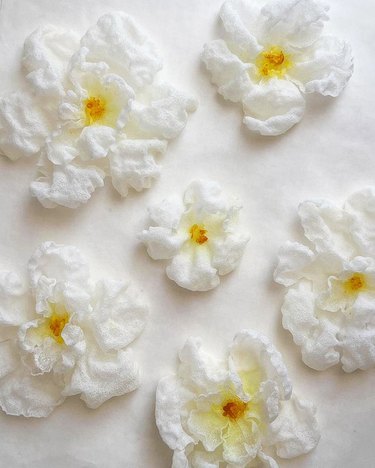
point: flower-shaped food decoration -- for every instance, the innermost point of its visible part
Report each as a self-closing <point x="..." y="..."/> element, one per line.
<point x="227" y="413"/>
<point x="273" y="53"/>
<point x="330" y="305"/>
<point x="64" y="335"/>
<point x="95" y="109"/>
<point x="200" y="235"/>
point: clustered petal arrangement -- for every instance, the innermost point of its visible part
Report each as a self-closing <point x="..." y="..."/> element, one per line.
<point x="200" y="235"/>
<point x="273" y="53"/>
<point x="63" y="335"/>
<point x="227" y="413"/>
<point x="330" y="304"/>
<point x="93" y="110"/>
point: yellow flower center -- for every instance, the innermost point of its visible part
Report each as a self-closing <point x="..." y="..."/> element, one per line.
<point x="95" y="108"/>
<point x="234" y="409"/>
<point x="56" y="322"/>
<point x="273" y="62"/>
<point x="355" y="283"/>
<point x="198" y="234"/>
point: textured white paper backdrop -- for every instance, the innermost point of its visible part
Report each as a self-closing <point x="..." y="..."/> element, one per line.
<point x="329" y="154"/>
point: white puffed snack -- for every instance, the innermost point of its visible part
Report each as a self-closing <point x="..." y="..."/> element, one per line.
<point x="62" y="334"/>
<point x="199" y="234"/>
<point x="273" y="53"/>
<point x="330" y="305"/>
<point x="229" y="413"/>
<point x="94" y="108"/>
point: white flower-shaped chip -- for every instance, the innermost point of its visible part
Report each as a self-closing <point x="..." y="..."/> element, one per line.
<point x="273" y="53"/>
<point x="62" y="334"/>
<point x="330" y="304"/>
<point x="95" y="108"/>
<point x="228" y="413"/>
<point x="200" y="234"/>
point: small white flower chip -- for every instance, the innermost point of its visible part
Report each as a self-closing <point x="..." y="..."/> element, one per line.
<point x="95" y="108"/>
<point x="330" y="305"/>
<point x="65" y="335"/>
<point x="229" y="412"/>
<point x="272" y="54"/>
<point x="200" y="235"/>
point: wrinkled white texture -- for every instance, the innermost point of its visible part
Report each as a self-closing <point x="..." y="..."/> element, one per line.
<point x="181" y="407"/>
<point x="114" y="59"/>
<point x="196" y="266"/>
<point x="37" y="372"/>
<point x="320" y="64"/>
<point x="334" y="163"/>
<point x="329" y="324"/>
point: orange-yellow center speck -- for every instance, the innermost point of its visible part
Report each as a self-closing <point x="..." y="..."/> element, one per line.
<point x="56" y="324"/>
<point x="198" y="234"/>
<point x="273" y="62"/>
<point x="234" y="409"/>
<point x="94" y="109"/>
<point x="355" y="283"/>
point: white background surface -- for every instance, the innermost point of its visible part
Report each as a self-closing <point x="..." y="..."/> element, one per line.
<point x="329" y="154"/>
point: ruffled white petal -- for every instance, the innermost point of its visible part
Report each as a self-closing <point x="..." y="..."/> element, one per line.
<point x="199" y="370"/>
<point x="119" y="314"/>
<point x="240" y="22"/>
<point x="266" y="461"/>
<point x="167" y="413"/>
<point x="273" y="107"/>
<point x="99" y="377"/>
<point x="40" y="355"/>
<point x="22" y="393"/>
<point x="168" y="212"/>
<point x="192" y="270"/>
<point x="227" y="252"/>
<point x="117" y="40"/>
<point x="317" y="338"/>
<point x="162" y="111"/>
<point x="357" y="335"/>
<point x="180" y="460"/>
<point x="326" y="226"/>
<point x="228" y="72"/>
<point x="251" y="350"/>
<point x="46" y="55"/>
<point x="202" y="459"/>
<point x="361" y="207"/>
<point x="94" y="142"/>
<point x="60" y="149"/>
<point x="293" y="259"/>
<point x="59" y="263"/>
<point x="132" y="164"/>
<point x="207" y="196"/>
<point x="326" y="67"/>
<point x="296" y="429"/>
<point x="161" y="242"/>
<point x="207" y="427"/>
<point x="14" y="300"/>
<point x="23" y="125"/>
<point x="68" y="185"/>
<point x="295" y="22"/>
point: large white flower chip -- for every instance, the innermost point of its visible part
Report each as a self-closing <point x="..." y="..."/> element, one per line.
<point x="229" y="412"/>
<point x="330" y="304"/>
<point x="95" y="108"/>
<point x="273" y="53"/>
<point x="200" y="234"/>
<point x="62" y="334"/>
